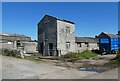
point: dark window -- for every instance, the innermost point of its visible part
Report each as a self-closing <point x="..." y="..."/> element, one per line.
<point x="67" y="45"/>
<point x="67" y="29"/>
<point x="18" y="43"/>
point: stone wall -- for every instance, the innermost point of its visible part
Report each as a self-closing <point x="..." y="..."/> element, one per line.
<point x="7" y="45"/>
<point x="63" y="37"/>
<point x="47" y="33"/>
<point x="83" y="47"/>
<point x="30" y="47"/>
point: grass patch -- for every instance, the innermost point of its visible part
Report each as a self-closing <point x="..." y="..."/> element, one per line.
<point x="77" y="56"/>
<point x="70" y="55"/>
<point x="87" y="54"/>
<point x="34" y="57"/>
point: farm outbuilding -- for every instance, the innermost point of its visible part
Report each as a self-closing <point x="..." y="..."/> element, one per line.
<point x="86" y="43"/>
<point x="109" y="42"/>
<point x="17" y="42"/>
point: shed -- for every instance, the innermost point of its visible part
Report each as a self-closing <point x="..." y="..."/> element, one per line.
<point x="86" y="43"/>
<point x="108" y="42"/>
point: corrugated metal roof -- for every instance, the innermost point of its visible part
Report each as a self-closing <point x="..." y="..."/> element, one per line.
<point x="14" y="36"/>
<point x="111" y="35"/>
<point x="17" y="35"/>
<point x="87" y="39"/>
<point x="6" y="34"/>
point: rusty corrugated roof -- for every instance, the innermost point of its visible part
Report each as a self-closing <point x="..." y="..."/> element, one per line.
<point x="112" y="35"/>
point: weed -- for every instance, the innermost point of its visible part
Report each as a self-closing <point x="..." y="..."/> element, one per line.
<point x="77" y="56"/>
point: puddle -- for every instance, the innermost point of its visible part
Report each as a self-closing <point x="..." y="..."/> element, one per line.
<point x="92" y="69"/>
<point x="100" y="68"/>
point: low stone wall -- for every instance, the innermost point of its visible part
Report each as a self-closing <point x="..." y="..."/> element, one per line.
<point x="30" y="47"/>
<point x="6" y="46"/>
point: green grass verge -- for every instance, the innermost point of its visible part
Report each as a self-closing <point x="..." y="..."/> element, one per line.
<point x="75" y="56"/>
<point x="34" y="57"/>
<point x="87" y="54"/>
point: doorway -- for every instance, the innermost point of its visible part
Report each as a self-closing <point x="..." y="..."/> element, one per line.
<point x="51" y="49"/>
<point x="41" y="48"/>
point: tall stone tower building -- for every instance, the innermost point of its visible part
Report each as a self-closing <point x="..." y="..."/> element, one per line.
<point x="55" y="36"/>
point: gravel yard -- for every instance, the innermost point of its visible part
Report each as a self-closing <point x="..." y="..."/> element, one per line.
<point x="14" y="68"/>
<point x="99" y="64"/>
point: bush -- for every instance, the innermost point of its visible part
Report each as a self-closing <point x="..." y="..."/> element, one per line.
<point x="16" y="53"/>
<point x="118" y="57"/>
<point x="87" y="54"/>
<point x="9" y="52"/>
<point x="70" y="55"/>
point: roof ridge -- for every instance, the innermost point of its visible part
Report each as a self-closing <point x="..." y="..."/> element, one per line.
<point x="60" y="19"/>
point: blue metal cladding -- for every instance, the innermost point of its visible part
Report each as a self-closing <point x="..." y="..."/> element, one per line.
<point x="104" y="44"/>
<point x="109" y="45"/>
<point x="114" y="43"/>
<point x="119" y="43"/>
<point x="105" y="40"/>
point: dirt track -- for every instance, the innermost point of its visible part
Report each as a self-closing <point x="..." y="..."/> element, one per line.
<point x="13" y="68"/>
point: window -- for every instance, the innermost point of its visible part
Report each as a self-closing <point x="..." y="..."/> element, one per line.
<point x="67" y="29"/>
<point x="79" y="44"/>
<point x="67" y="45"/>
<point x="87" y="44"/>
<point x="18" y="43"/>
